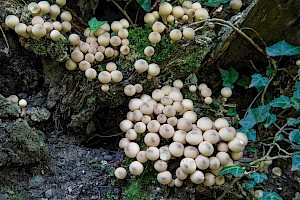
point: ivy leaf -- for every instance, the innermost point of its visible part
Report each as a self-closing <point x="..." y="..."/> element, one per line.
<point x="270" y="71"/>
<point x="295" y="136"/>
<point x="296" y="162"/>
<point x="244" y="81"/>
<point x="297" y="85"/>
<point x="251" y="133"/>
<point x="293" y="121"/>
<point x="192" y="79"/>
<point x="270" y="120"/>
<point x="229" y="77"/>
<point x="282" y="102"/>
<point x="295" y="103"/>
<point x="258" y="81"/>
<point x="215" y="3"/>
<point x="282" y="48"/>
<point x="258" y="178"/>
<point x="145" y="4"/>
<point x="270" y="196"/>
<point x="260" y="113"/>
<point x="248" y="122"/>
<point x="296" y="94"/>
<point x="250" y="185"/>
<point x="279" y="137"/>
<point x="95" y="24"/>
<point x="231" y="112"/>
<point x="235" y="170"/>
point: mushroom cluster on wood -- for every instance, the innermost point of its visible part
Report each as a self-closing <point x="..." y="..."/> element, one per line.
<point x="170" y="128"/>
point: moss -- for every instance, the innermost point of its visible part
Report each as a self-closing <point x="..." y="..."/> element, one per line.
<point x="7" y="108"/>
<point x="57" y="50"/>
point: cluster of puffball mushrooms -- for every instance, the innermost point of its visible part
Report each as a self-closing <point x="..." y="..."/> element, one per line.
<point x="100" y="45"/>
<point x="167" y="124"/>
<point x="41" y="25"/>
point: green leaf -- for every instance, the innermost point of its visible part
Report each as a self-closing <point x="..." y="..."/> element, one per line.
<point x="244" y="81"/>
<point x="145" y="4"/>
<point x="270" y="196"/>
<point x="192" y="79"/>
<point x="235" y="170"/>
<point x="279" y="137"/>
<point x="282" y="48"/>
<point x="229" y="77"/>
<point x="95" y="24"/>
<point x="270" y="71"/>
<point x="231" y="112"/>
<point x="249" y="185"/>
<point x="296" y="162"/>
<point x="215" y="3"/>
<point x="258" y="81"/>
<point x="293" y="121"/>
<point x="270" y="120"/>
<point x="295" y="103"/>
<point x="295" y="136"/>
<point x="282" y="102"/>
<point x="296" y="94"/>
<point x="297" y="85"/>
<point x="260" y="113"/>
<point x="258" y="178"/>
<point x="248" y="122"/>
<point x="251" y="133"/>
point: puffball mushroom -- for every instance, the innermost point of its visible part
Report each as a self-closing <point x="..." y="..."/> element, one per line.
<point x="84" y="65"/>
<point x="176" y="149"/>
<point x="154" y="38"/>
<point x="152" y="139"/>
<point x="236" y="155"/>
<point x="103" y="40"/>
<point x="132" y="149"/>
<point x="169" y="111"/>
<point x="141" y="66"/>
<point x="166" y="131"/>
<point x="188" y="33"/>
<point x="158" y="27"/>
<point x="164" y="153"/>
<point x="204" y="123"/>
<point x="208" y="100"/>
<point x="141" y="157"/>
<point x="124" y="23"/>
<point x="206" y="148"/>
<point x="236" y="4"/>
<point x="104" y="77"/>
<point x="70" y="65"/>
<point x="61" y="3"/>
<point x="134" y="104"/>
<point x="209" y="179"/>
<point x="153" y="70"/>
<point x="211" y="136"/>
<point x="22" y="103"/>
<point x="90" y="73"/>
<point x="55" y="35"/>
<point x="220" y="180"/>
<point x="222" y="146"/>
<point x="152" y="153"/>
<point x="74" y="39"/>
<point x="180" y="174"/>
<point x="184" y="124"/>
<point x="226" y="134"/>
<point x="116" y="26"/>
<point x="178" y="84"/>
<point x="190" y="152"/>
<point x="197" y="177"/>
<point x="125" y="50"/>
<point x="116" y="76"/>
<point x="194" y="137"/>
<point x="44" y="7"/>
<point x="179" y="136"/>
<point x="277" y="171"/>
<point x="201" y="14"/>
<point x="115" y="41"/>
<point x="187" y="4"/>
<point x="191" y="115"/>
<point x="149" y="51"/>
<point x="175" y="35"/>
<point x="149" y="19"/>
<point x="236" y="145"/>
<point x="178" y="182"/>
<point x="66" y="26"/>
<point x="226" y="92"/>
<point x="21" y="29"/>
<point x="104" y="87"/>
<point x="165" y="10"/>
<point x="120" y="173"/>
<point x="140" y="127"/>
<point x="221" y="123"/>
<point x="54" y="11"/>
<point x="129" y="90"/>
<point x="153" y="126"/>
<point x="177" y="12"/>
<point x="170" y="19"/>
<point x="176" y="96"/>
<point x="192" y="88"/>
<point x="138" y="88"/>
<point x="188" y="165"/>
<point x="223" y="157"/>
<point x="123" y="33"/>
<point x="196" y="6"/>
<point x="202" y="162"/>
<point x="39" y="31"/>
<point x="123" y="142"/>
<point x="13" y="98"/>
<point x="125" y="125"/>
<point x="164" y="177"/>
<point x="66" y="16"/>
<point x="11" y="21"/>
<point x="111" y="66"/>
<point x="157" y="95"/>
<point x="33" y="8"/>
<point x="136" y="168"/>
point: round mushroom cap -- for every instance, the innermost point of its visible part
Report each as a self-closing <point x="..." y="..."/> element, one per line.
<point x="39" y="30"/>
<point x="11" y="21"/>
<point x="120" y="173"/>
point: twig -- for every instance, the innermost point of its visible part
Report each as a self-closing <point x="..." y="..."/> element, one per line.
<point x="253" y="101"/>
<point x="228" y="188"/>
<point x="123" y="11"/>
<point x="4" y="36"/>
